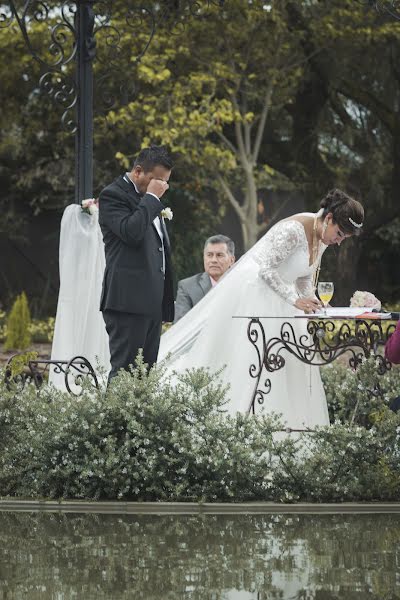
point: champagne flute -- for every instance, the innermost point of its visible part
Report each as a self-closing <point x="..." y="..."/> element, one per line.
<point x="325" y="293"/>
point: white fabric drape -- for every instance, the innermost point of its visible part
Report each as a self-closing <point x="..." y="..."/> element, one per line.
<point x="79" y="326"/>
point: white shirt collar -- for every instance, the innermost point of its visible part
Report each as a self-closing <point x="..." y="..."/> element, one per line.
<point x="127" y="178"/>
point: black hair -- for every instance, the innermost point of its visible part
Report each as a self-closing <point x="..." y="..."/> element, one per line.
<point x="148" y="158"/>
<point x="347" y="212"/>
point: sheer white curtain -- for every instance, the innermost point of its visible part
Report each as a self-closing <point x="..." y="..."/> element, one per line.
<point x="79" y="327"/>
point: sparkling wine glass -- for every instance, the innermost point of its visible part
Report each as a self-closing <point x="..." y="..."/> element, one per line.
<point x="325" y="293"/>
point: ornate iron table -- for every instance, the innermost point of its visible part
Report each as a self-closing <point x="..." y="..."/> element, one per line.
<point x="323" y="342"/>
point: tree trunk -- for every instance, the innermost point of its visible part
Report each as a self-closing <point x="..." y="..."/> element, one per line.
<point x="346" y="271"/>
<point x="250" y="230"/>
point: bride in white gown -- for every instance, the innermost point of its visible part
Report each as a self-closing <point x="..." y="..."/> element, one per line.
<point x="276" y="280"/>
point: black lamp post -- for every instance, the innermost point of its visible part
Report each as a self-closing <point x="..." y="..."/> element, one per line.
<point x="78" y="22"/>
<point x="85" y="53"/>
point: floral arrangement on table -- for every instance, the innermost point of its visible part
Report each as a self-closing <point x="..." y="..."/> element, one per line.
<point x="167" y="213"/>
<point x="365" y="300"/>
<point x="90" y="206"/>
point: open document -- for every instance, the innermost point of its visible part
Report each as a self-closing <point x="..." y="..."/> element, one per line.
<point x="349" y="312"/>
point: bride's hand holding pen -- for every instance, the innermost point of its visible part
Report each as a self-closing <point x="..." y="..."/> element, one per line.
<point x="308" y="305"/>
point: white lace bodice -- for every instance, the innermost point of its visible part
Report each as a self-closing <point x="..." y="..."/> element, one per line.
<point x="283" y="257"/>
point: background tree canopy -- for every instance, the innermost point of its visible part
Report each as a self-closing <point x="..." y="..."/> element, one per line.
<point x="255" y="99"/>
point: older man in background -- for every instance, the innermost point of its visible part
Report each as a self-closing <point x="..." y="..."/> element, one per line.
<point x="219" y="256"/>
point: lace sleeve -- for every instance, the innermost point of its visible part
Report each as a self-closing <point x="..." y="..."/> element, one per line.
<point x="280" y="242"/>
<point x="304" y="286"/>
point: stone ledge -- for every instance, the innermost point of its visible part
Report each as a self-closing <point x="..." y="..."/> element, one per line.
<point x="191" y="508"/>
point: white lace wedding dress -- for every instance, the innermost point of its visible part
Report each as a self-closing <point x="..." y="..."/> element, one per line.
<point x="264" y="283"/>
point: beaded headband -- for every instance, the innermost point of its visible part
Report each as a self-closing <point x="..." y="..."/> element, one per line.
<point x="358" y="225"/>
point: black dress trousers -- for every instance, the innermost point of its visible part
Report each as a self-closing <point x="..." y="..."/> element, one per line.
<point x="128" y="333"/>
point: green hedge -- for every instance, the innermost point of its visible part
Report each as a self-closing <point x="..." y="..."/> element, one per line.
<point x="361" y="396"/>
<point x="151" y="438"/>
<point x="40" y="330"/>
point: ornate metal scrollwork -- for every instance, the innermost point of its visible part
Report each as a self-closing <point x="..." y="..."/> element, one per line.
<point x="371" y="333"/>
<point x="256" y="336"/>
<point x="56" y="79"/>
<point x="76" y="370"/>
<point x="324" y="342"/>
<point x="314" y="347"/>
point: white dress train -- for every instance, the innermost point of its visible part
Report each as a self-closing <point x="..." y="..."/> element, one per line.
<point x="79" y="327"/>
<point x="264" y="283"/>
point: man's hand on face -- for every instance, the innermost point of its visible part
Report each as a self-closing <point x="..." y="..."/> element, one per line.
<point x="157" y="187"/>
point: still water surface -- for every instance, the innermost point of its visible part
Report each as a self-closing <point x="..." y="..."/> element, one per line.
<point x="226" y="557"/>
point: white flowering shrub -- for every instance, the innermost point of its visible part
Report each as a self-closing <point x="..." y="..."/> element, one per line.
<point x="360" y="396"/>
<point x="145" y="439"/>
<point x="345" y="463"/>
<point x="153" y="438"/>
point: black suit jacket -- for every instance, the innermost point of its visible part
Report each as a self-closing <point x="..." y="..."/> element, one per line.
<point x="134" y="281"/>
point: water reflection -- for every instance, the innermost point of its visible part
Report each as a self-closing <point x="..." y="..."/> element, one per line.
<point x="240" y="557"/>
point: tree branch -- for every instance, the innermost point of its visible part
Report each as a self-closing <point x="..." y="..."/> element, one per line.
<point x="234" y="203"/>
<point x="238" y="130"/>
<point x="364" y="97"/>
<point x="261" y="125"/>
<point x="227" y="143"/>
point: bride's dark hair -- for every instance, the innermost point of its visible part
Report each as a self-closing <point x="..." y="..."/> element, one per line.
<point x="347" y="212"/>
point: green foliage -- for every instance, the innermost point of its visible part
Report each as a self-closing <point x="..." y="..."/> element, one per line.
<point x="390" y="233"/>
<point x="18" y="336"/>
<point x="202" y="86"/>
<point x="363" y="396"/>
<point x="19" y="362"/>
<point x="40" y="330"/>
<point x="344" y="463"/>
<point x="194" y="221"/>
<point x="210" y="102"/>
<point x="3" y="321"/>
<point x="33" y="140"/>
<point x="158" y="438"/>
<point x="145" y="439"/>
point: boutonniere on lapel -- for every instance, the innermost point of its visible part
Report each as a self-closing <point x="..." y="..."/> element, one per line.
<point x="167" y="213"/>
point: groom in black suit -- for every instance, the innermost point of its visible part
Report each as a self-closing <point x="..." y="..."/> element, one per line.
<point x="137" y="290"/>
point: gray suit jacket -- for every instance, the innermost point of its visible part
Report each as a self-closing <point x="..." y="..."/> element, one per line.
<point x="190" y="292"/>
